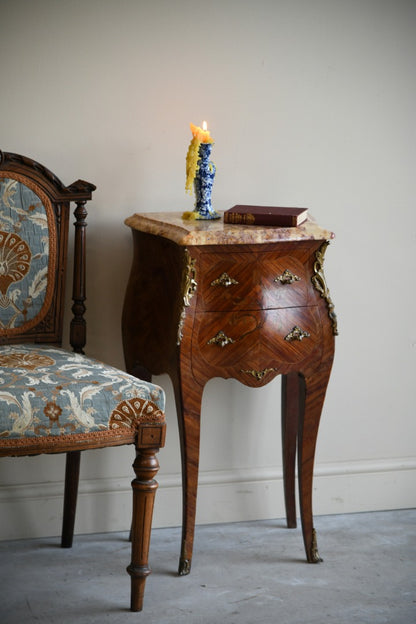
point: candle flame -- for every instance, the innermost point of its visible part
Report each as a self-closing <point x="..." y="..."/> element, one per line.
<point x="204" y="126"/>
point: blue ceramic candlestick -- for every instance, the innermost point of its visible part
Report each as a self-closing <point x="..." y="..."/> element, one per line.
<point x="204" y="179"/>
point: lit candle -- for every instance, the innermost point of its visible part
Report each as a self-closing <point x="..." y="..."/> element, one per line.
<point x="200" y="173"/>
<point x="199" y="135"/>
<point x="202" y="134"/>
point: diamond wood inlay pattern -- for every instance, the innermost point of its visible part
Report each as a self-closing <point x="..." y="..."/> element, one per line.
<point x="235" y="326"/>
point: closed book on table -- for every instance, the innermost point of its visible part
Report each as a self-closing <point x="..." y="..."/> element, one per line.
<point x="265" y="215"/>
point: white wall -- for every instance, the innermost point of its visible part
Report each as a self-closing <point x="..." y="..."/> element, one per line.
<point x="310" y="103"/>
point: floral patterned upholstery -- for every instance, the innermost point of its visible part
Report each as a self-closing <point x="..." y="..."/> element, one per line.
<point x="53" y="400"/>
<point x="47" y="393"/>
<point x="27" y="254"/>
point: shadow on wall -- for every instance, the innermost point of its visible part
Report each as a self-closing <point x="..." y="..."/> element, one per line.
<point x="109" y="256"/>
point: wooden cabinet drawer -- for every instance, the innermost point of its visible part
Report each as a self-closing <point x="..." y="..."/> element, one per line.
<point x="248" y="281"/>
<point x="236" y="341"/>
<point x="227" y="281"/>
<point x="283" y="281"/>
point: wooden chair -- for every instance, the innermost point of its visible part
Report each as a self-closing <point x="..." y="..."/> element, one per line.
<point x="53" y="400"/>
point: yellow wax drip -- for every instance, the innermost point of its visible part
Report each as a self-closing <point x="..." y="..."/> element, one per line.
<point x="198" y="136"/>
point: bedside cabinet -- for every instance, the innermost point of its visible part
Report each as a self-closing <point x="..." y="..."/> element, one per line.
<point x="207" y="299"/>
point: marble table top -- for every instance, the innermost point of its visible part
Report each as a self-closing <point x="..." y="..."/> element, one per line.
<point x="171" y="225"/>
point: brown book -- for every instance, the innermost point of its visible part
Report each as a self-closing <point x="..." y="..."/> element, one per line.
<point x="265" y="215"/>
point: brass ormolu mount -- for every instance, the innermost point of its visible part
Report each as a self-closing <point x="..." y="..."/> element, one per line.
<point x="190" y="281"/>
<point x="259" y="374"/>
<point x="287" y="277"/>
<point x="224" y="280"/>
<point x="220" y="339"/>
<point x="314" y="554"/>
<point x="319" y="282"/>
<point x="189" y="288"/>
<point x="297" y="334"/>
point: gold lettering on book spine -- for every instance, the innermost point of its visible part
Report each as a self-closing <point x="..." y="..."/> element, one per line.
<point x="236" y="218"/>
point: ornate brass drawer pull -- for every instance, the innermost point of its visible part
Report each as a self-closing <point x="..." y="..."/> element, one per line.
<point x="259" y="374"/>
<point x="287" y="277"/>
<point x="297" y="334"/>
<point x="221" y="339"/>
<point x="224" y="280"/>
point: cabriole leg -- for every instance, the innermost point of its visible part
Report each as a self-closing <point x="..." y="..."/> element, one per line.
<point x="315" y="389"/>
<point x="188" y="410"/>
<point x="290" y="419"/>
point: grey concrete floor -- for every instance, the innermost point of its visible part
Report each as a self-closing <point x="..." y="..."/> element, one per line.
<point x="242" y="573"/>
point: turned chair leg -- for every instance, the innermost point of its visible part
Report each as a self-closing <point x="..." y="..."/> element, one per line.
<point x="73" y="459"/>
<point x="144" y="487"/>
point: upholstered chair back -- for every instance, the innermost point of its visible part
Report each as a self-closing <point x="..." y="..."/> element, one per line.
<point x="51" y="399"/>
<point x="34" y="217"/>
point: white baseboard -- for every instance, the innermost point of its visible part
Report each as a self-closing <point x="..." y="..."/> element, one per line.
<point x="223" y="496"/>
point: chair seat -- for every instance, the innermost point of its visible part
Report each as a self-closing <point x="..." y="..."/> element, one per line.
<point x="53" y="400"/>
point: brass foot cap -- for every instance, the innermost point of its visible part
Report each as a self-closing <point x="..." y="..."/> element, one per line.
<point x="184" y="567"/>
